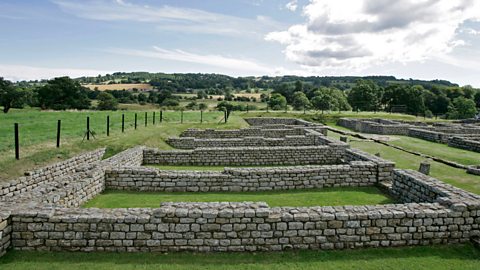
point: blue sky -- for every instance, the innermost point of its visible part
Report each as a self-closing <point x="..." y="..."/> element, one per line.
<point x="425" y="39"/>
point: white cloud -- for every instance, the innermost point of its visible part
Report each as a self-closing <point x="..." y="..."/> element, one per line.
<point x="20" y="72"/>
<point x="169" y="18"/>
<point x="292" y="5"/>
<point x="360" y="34"/>
<point x="235" y="64"/>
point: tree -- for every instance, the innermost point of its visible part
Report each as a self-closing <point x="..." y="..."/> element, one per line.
<point x="10" y="96"/>
<point x="277" y="102"/>
<point x="365" y="96"/>
<point x="106" y="101"/>
<point x="330" y="99"/>
<point x="462" y="108"/>
<point x="436" y="103"/>
<point x="409" y="96"/>
<point x="63" y="93"/>
<point x="476" y="98"/>
<point x="142" y="98"/>
<point x="202" y="95"/>
<point x="300" y="101"/>
<point x="202" y="106"/>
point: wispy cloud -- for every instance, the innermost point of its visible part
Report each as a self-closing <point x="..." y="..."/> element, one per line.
<point x="20" y="72"/>
<point x="230" y="63"/>
<point x="169" y="18"/>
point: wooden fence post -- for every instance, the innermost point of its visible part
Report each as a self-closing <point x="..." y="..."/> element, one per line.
<point x="108" y="125"/>
<point x="135" y="120"/>
<point x="59" y="124"/>
<point x="17" y="143"/>
<point x="88" y="128"/>
<point x="123" y="122"/>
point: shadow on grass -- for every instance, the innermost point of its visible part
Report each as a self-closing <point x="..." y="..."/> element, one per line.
<point x="434" y="254"/>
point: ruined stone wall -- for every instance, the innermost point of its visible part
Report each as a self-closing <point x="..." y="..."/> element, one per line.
<point x="244" y="132"/>
<point x="5" y="232"/>
<point x="428" y="135"/>
<point x="356" y="173"/>
<point x="375" y="126"/>
<point x="264" y="121"/>
<point x="384" y="167"/>
<point x="48" y="173"/>
<point x="286" y="155"/>
<point x="192" y="143"/>
<point x="244" y="227"/>
<point x="468" y="143"/>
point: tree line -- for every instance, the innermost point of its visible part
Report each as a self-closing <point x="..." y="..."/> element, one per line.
<point x="365" y="95"/>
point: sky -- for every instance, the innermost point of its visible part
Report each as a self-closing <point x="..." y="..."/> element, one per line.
<point x="421" y="39"/>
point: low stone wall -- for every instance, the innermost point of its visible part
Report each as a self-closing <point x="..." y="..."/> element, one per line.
<point x="428" y="135"/>
<point x="287" y="155"/>
<point x="263" y="121"/>
<point x="375" y="126"/>
<point x="244" y="132"/>
<point x="5" y="232"/>
<point x="384" y="167"/>
<point x="192" y="143"/>
<point x="48" y="173"/>
<point x="473" y="169"/>
<point x="356" y="173"/>
<point x="465" y="143"/>
<point x="244" y="227"/>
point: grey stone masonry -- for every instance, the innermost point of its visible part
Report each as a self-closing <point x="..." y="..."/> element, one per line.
<point x="285" y="155"/>
<point x="384" y="167"/>
<point x="467" y="143"/>
<point x="42" y="213"/>
<point x="271" y="132"/>
<point x="311" y="137"/>
<point x="474" y="169"/>
<point x="46" y="174"/>
<point x="356" y="173"/>
<point x="266" y="121"/>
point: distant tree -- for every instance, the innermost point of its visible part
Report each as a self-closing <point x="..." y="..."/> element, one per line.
<point x="107" y="101"/>
<point x="202" y="94"/>
<point x="409" y="96"/>
<point x="170" y="102"/>
<point x="192" y="105"/>
<point x="462" y="108"/>
<point x="202" y="106"/>
<point x="277" y="102"/>
<point x="476" y="98"/>
<point x="226" y="106"/>
<point x="63" y="93"/>
<point x="330" y="99"/>
<point x="365" y="95"/>
<point x="142" y="98"/>
<point x="300" y="101"/>
<point x="437" y="103"/>
<point x="298" y="86"/>
<point x="10" y="96"/>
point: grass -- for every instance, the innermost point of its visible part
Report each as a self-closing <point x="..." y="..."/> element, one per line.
<point x="452" y="257"/>
<point x="208" y="168"/>
<point x="430" y="148"/>
<point x="403" y="160"/>
<point x="38" y="128"/>
<point x="313" y="197"/>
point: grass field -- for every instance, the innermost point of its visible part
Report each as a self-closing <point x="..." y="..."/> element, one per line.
<point x="453" y="257"/>
<point x="38" y="133"/>
<point x="403" y="160"/>
<point x="314" y="197"/>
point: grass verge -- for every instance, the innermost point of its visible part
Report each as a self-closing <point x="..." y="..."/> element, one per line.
<point x="311" y="197"/>
<point x="462" y="257"/>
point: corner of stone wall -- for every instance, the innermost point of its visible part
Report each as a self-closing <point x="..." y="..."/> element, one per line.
<point x="5" y="232"/>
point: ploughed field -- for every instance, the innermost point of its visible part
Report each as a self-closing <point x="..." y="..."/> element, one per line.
<point x="293" y="198"/>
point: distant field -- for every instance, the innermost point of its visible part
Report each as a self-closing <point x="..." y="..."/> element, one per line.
<point x="120" y="86"/>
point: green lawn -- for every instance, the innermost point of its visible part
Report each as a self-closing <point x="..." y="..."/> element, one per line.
<point x="461" y="257"/>
<point x="430" y="148"/>
<point x="37" y="146"/>
<point x="313" y="197"/>
<point x="403" y="160"/>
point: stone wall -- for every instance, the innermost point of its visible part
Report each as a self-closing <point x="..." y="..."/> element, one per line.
<point x="375" y="126"/>
<point x="48" y="173"/>
<point x="356" y="173"/>
<point x="245" y="227"/>
<point x="471" y="144"/>
<point x="192" y="143"/>
<point x="285" y="155"/>
<point x="244" y="132"/>
<point x="5" y="232"/>
<point x="264" y="121"/>
<point x="384" y="167"/>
